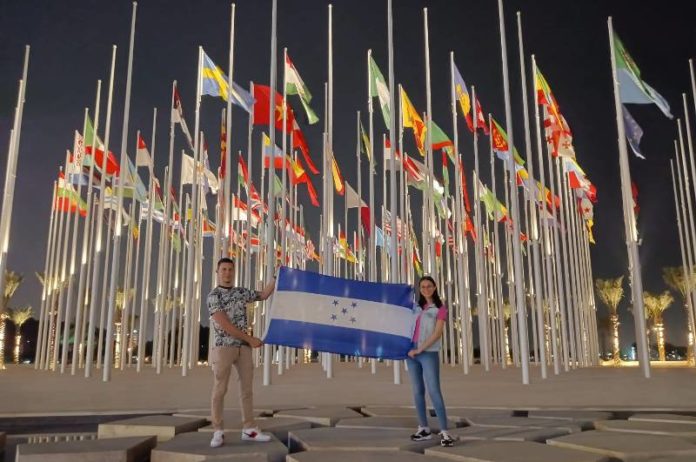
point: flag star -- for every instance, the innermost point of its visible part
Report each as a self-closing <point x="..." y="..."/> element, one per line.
<point x="334" y="317"/>
<point x="353" y="320"/>
<point x="354" y="304"/>
<point x="344" y="310"/>
<point x="335" y="302"/>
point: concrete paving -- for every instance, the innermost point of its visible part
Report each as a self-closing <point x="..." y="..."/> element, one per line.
<point x="626" y="446"/>
<point x="507" y="434"/>
<point x="649" y="428"/>
<point x="29" y="392"/>
<point x="668" y="418"/>
<point x="133" y="449"/>
<point x="229" y="415"/>
<point x="527" y="422"/>
<point x="360" y="456"/>
<point x="195" y="447"/>
<point x="583" y="416"/>
<point x="391" y="411"/>
<point x="355" y="439"/>
<point x="327" y="415"/>
<point x="279" y="426"/>
<point x="408" y="424"/>
<point x="164" y="427"/>
<point x="508" y="451"/>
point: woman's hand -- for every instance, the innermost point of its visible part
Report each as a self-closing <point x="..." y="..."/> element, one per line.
<point x="412" y="354"/>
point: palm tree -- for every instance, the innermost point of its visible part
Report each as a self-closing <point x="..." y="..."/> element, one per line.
<point x="654" y="306"/>
<point x="507" y="313"/>
<point x="610" y="291"/>
<point x="674" y="278"/>
<point x="12" y="282"/>
<point x="19" y="316"/>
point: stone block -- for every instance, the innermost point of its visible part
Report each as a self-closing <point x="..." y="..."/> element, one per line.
<point x="510" y="451"/>
<point x="326" y="416"/>
<point x="359" y="456"/>
<point x="391" y="411"/>
<point x="131" y="449"/>
<point x="231" y="415"/>
<point x="279" y="426"/>
<point x="586" y="416"/>
<point x="164" y="427"/>
<point x="667" y="418"/>
<point x="507" y="434"/>
<point x="408" y="424"/>
<point x="527" y="422"/>
<point x="626" y="446"/>
<point x="650" y="428"/>
<point x="355" y="439"/>
<point x="195" y="447"/>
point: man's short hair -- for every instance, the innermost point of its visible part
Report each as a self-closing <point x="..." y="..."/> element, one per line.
<point x="225" y="260"/>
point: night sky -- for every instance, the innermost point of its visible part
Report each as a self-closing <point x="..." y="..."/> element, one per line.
<point x="71" y="48"/>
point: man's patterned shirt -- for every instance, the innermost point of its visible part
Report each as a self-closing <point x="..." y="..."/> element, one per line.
<point x="232" y="302"/>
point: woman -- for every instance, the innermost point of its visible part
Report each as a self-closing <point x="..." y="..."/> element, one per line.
<point x="424" y="361"/>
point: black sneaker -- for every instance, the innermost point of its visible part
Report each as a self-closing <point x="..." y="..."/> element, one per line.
<point x="422" y="434"/>
<point x="446" y="440"/>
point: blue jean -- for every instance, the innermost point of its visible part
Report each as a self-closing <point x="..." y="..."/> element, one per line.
<point x="424" y="371"/>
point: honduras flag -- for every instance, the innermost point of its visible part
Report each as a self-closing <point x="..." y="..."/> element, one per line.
<point x="330" y="314"/>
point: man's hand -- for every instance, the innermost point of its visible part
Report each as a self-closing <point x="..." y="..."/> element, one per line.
<point x="255" y="342"/>
<point x="412" y="354"/>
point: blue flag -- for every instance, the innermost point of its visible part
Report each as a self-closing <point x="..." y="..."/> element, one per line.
<point x="214" y="83"/>
<point x="345" y="316"/>
<point x="633" y="132"/>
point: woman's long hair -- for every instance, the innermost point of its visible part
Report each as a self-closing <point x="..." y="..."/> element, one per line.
<point x="436" y="297"/>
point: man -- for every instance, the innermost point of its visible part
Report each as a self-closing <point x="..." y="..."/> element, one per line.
<point x="227" y="309"/>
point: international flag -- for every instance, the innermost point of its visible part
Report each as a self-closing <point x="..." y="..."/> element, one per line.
<point x="633" y="132"/>
<point x="633" y="89"/>
<point x="325" y="313"/>
<point x="294" y="85"/>
<point x="337" y="177"/>
<point x="365" y="143"/>
<point x="500" y="144"/>
<point x="262" y="95"/>
<point x="411" y="119"/>
<point x="178" y="116"/>
<point x="379" y="89"/>
<point x="142" y="155"/>
<point x="214" y="83"/>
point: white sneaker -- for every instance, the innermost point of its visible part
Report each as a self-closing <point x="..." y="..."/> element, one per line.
<point x="254" y="434"/>
<point x="218" y="439"/>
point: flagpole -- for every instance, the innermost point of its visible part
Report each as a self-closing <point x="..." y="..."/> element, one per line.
<point x="685" y="254"/>
<point x="270" y="250"/>
<point x="227" y="206"/>
<point x="73" y="251"/>
<point x="87" y="238"/>
<point x="481" y="274"/>
<point x="497" y="254"/>
<point x="514" y="206"/>
<point x="371" y="234"/>
<point x="145" y="293"/>
<point x="533" y="231"/>
<point x="43" y="314"/>
<point x="125" y="308"/>
<point x="359" y="250"/>
<point x="630" y="223"/>
<point x="57" y="277"/>
<point x="11" y="175"/>
<point x="545" y="228"/>
<point x="283" y="197"/>
<point x="247" y="259"/>
<point x="684" y="173"/>
<point x="106" y="373"/>
<point x="100" y="217"/>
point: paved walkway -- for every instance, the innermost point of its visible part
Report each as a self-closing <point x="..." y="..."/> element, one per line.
<point x="24" y="391"/>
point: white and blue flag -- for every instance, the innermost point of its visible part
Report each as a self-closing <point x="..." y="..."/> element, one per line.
<point x="325" y="313"/>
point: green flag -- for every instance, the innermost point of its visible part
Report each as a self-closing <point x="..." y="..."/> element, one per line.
<point x="365" y="145"/>
<point x="294" y="85"/>
<point x="379" y="88"/>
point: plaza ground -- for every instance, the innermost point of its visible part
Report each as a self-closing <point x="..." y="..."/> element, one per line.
<point x="26" y="392"/>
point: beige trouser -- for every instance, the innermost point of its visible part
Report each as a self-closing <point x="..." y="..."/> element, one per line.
<point x="222" y="360"/>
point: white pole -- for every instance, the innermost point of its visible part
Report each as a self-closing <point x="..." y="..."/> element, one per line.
<point x="117" y="232"/>
<point x="630" y="222"/>
<point x="96" y="264"/>
<point x="43" y="314"/>
<point x="227" y="206"/>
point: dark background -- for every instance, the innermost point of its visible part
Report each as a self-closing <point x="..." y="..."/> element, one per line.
<point x="71" y="45"/>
